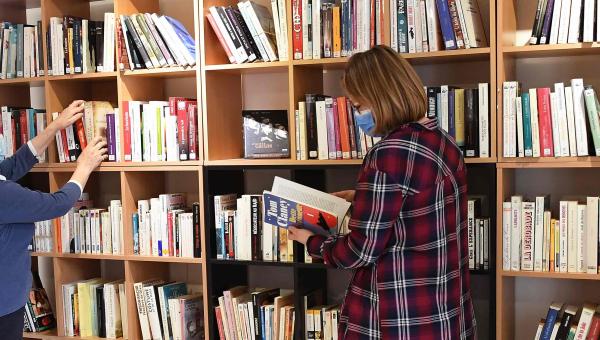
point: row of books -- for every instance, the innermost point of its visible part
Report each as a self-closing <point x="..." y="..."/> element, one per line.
<point x="42" y="237"/>
<point x="260" y="313"/>
<point x="95" y="307"/>
<point x="149" y="41"/>
<point x="76" y="45"/>
<point x="418" y="25"/>
<point x="17" y="126"/>
<point x="38" y="311"/>
<point x="322" y="322"/>
<point x="535" y="240"/>
<point x="565" y="21"/>
<point x="328" y="29"/>
<point x="465" y="114"/>
<point x="541" y="123"/>
<point x="87" y="230"/>
<point x="570" y="322"/>
<point x="169" y="310"/>
<point x="163" y="227"/>
<point x="478" y="231"/>
<point x="20" y="50"/>
<point x="251" y="32"/>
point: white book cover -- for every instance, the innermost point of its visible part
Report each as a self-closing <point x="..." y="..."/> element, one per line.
<point x="316" y="29"/>
<point x="322" y="130"/>
<point x="277" y="26"/>
<point x="547" y="238"/>
<point x="580" y="117"/>
<point x="474" y="24"/>
<point x="221" y="26"/>
<point x="565" y="16"/>
<point x="515" y="235"/>
<point x="538" y="232"/>
<point x="463" y="24"/>
<point x="563" y="222"/>
<point x="592" y="235"/>
<point x="418" y="29"/>
<point x="563" y="126"/>
<point x="574" y="21"/>
<point x="581" y="238"/>
<point x="302" y="130"/>
<point x="284" y="52"/>
<point x="484" y="124"/>
<point x="519" y="113"/>
<point x="572" y="236"/>
<point x="570" y="121"/>
<point x="307" y="48"/>
<point x="588" y="20"/>
<point x="109" y="43"/>
<point x="411" y="26"/>
<point x="555" y="123"/>
<point x="585" y="320"/>
<point x="366" y="15"/>
<point x="252" y="9"/>
<point x="512" y="131"/>
<point x="267" y="241"/>
<point x="153" y="313"/>
<point x="471" y="232"/>
<point x="527" y="240"/>
<point x="554" y="28"/>
<point x="423" y="24"/>
<point x="393" y="10"/>
<point x="444" y="107"/>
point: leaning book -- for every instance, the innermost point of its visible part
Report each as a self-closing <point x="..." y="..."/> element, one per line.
<point x="266" y="134"/>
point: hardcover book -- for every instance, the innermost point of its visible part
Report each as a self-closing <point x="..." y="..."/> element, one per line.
<point x="266" y="134"/>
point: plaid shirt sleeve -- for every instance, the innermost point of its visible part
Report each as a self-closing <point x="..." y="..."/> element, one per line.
<point x="375" y="209"/>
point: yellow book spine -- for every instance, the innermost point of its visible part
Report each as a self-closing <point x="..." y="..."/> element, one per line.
<point x="459" y="116"/>
<point x="71" y="59"/>
<point x="551" y="245"/>
<point x="337" y="36"/>
<point x="85" y="325"/>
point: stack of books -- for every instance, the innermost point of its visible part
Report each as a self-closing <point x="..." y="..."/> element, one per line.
<point x="259" y="313"/>
<point x="43" y="237"/>
<point x="21" y="50"/>
<point x="163" y="227"/>
<point x="38" y="311"/>
<point x="478" y="231"/>
<point x="19" y="125"/>
<point x="169" y="310"/>
<point x="533" y="239"/>
<point x="76" y="45"/>
<point x="542" y="123"/>
<point x="565" y="21"/>
<point x="570" y="322"/>
<point x="95" y="307"/>
<point x="251" y="32"/>
<point x="322" y="322"/>
<point x="86" y="230"/>
<point x="150" y="41"/>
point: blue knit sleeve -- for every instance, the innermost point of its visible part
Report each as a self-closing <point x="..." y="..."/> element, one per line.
<point x="18" y="164"/>
<point x="21" y="205"/>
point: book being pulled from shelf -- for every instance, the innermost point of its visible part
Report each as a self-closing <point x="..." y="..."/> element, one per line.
<point x="478" y="230"/>
<point x="169" y="310"/>
<point x="95" y="307"/>
<point x="259" y="313"/>
<point x="38" y="311"/>
<point x="150" y="41"/>
<point x="21" y="50"/>
<point x="77" y="45"/>
<point x="251" y="32"/>
<point x="17" y="127"/>
<point x="163" y="227"/>
<point x="533" y="239"/>
<point x="87" y="230"/>
<point x="570" y="322"/>
<point x="545" y="123"/>
<point x="43" y="237"/>
<point x="434" y="25"/>
<point x="565" y="21"/>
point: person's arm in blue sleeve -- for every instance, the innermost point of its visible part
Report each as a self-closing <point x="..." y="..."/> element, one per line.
<point x="19" y="164"/>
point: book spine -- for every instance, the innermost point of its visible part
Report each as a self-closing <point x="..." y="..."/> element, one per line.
<point x="297" y="29"/>
<point x="126" y="119"/>
<point x="554" y="27"/>
<point x="579" y="112"/>
<point x="574" y="22"/>
<point x="538" y="22"/>
<point x="545" y="122"/>
<point x="402" y="26"/>
<point x="515" y="236"/>
<point x="519" y="115"/>
<point x="506" y="234"/>
<point x="527" y="138"/>
<point x="538" y="233"/>
<point x="591" y="104"/>
<point x="337" y="133"/>
<point x="306" y="29"/>
<point x="255" y="220"/>
<point x="219" y="35"/>
<point x="455" y="20"/>
<point x="110" y="137"/>
<point x="411" y="25"/>
<point x="527" y="241"/>
<point x="229" y="12"/>
<point x="545" y="33"/>
<point x="77" y="57"/>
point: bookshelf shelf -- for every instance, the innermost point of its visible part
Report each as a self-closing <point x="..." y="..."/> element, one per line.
<point x="558" y="50"/>
<point x="125" y="166"/>
<point x="248" y="66"/>
<point x="165" y="72"/>
<point x="91" y="256"/>
<point x="472" y="54"/>
<point x="280" y="162"/>
<point x="83" y="76"/>
<point x="550" y="275"/>
<point x="49" y="334"/>
<point x="547" y="162"/>
<point x="34" y="81"/>
<point x="167" y="259"/>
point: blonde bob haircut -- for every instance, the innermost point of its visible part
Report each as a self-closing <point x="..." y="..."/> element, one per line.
<point x="385" y="82"/>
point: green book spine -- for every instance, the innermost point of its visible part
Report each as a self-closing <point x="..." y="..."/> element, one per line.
<point x="527" y="135"/>
<point x="144" y="40"/>
<point x="592" y="110"/>
<point x="153" y="45"/>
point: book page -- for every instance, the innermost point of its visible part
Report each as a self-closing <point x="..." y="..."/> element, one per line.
<point x="312" y="197"/>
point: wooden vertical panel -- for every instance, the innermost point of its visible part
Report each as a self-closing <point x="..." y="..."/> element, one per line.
<point x="13" y="11"/>
<point x="128" y="7"/>
<point x="60" y="8"/>
<point x="505" y="286"/>
<point x="493" y="83"/>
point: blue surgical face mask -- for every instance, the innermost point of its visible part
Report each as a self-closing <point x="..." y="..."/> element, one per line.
<point x="366" y="122"/>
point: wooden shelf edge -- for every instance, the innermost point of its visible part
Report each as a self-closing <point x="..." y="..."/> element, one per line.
<point x="162" y="72"/>
<point x="549" y="162"/>
<point x="247" y="66"/>
<point x="551" y="50"/>
<point x="22" y="81"/>
<point x="126" y="166"/>
<point x="167" y="259"/>
<point x="83" y="76"/>
<point x="550" y="275"/>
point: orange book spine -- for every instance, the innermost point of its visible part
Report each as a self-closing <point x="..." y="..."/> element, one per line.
<point x="81" y="133"/>
<point x="337" y="38"/>
<point x="551" y="245"/>
<point x="344" y="129"/>
<point x="58" y="240"/>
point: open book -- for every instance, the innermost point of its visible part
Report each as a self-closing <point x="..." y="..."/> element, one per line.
<point x="292" y="204"/>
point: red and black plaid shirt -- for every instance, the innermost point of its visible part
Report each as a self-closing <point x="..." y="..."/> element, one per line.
<point x="407" y="241"/>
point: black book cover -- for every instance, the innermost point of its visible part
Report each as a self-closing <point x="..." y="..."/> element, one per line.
<point x="197" y="232"/>
<point x="536" y="31"/>
<point x="77" y="56"/>
<point x="100" y="312"/>
<point x="16" y="118"/>
<point x="432" y="108"/>
<point x="565" y="323"/>
<point x="256" y="224"/>
<point x="246" y="31"/>
<point x="39" y="305"/>
<point x="236" y="42"/>
<point x="92" y="44"/>
<point x="40" y="59"/>
<point x="471" y="123"/>
<point x="99" y="47"/>
<point x="237" y="27"/>
<point x="259" y="299"/>
<point x="311" y="126"/>
<point x="266" y="134"/>
<point x="67" y="24"/>
<point x="135" y="57"/>
<point x="230" y="236"/>
<point x="77" y="150"/>
<point x="138" y="43"/>
<point x="581" y="21"/>
<point x="49" y="52"/>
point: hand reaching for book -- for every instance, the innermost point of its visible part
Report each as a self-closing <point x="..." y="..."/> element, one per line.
<point x="348" y="195"/>
<point x="93" y="154"/>
<point x="299" y="234"/>
<point x="69" y="115"/>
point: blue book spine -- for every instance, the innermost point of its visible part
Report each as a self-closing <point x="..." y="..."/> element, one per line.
<point x="183" y="35"/>
<point x="262" y="323"/>
<point x="549" y="325"/>
<point x="402" y="27"/>
<point x="346" y="25"/>
<point x="446" y="24"/>
<point x="220" y="233"/>
<point x="20" y="51"/>
<point x="527" y="133"/>
<point x="451" y="122"/>
<point x="31" y="123"/>
<point x="545" y="36"/>
<point x="136" y="234"/>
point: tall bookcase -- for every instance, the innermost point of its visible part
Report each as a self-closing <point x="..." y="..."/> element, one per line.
<point x="223" y="91"/>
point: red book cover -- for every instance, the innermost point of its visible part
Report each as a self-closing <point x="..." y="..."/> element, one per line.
<point x="545" y="117"/>
<point x="215" y="28"/>
<point x="381" y="16"/>
<point x="24" y="127"/>
<point x="219" y="322"/>
<point x="80" y="130"/>
<point x="58" y="235"/>
<point x="594" y="332"/>
<point x="297" y="28"/>
<point x="63" y="135"/>
<point x="344" y="131"/>
<point x="126" y="130"/>
<point x="170" y="232"/>
<point x="229" y="241"/>
<point x="193" y="130"/>
<point x="336" y="128"/>
<point x="183" y="127"/>
<point x="372" y="23"/>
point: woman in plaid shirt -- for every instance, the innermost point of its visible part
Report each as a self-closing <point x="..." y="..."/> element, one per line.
<point x="408" y="229"/>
